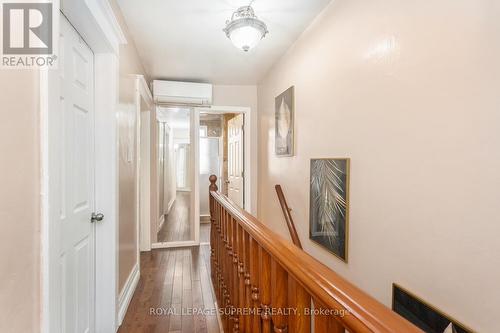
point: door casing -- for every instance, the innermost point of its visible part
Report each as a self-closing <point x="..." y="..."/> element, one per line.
<point x="249" y="196"/>
<point x="95" y="21"/>
<point x="144" y="111"/>
<point x="193" y="182"/>
<point x="144" y="182"/>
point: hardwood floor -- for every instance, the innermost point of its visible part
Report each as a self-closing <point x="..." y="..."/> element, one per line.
<point x="174" y="293"/>
<point x="177" y="226"/>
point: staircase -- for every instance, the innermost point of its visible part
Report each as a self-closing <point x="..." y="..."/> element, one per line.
<point x="264" y="283"/>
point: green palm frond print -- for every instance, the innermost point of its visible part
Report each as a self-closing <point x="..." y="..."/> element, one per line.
<point x="328" y="206"/>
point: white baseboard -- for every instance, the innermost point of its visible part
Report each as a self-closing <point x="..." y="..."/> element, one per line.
<point x="167" y="245"/>
<point x="127" y="293"/>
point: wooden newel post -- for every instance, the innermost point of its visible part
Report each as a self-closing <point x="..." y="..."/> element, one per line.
<point x="214" y="234"/>
<point x="213" y="186"/>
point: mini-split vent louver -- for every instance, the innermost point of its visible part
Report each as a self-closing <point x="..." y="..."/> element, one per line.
<point x="182" y="93"/>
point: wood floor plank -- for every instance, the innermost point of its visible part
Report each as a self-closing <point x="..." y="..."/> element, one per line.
<point x="175" y="322"/>
<point x="187" y="324"/>
<point x="176" y="283"/>
<point x="177" y="226"/>
<point x="207" y="291"/>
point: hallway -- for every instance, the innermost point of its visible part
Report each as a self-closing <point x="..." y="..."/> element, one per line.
<point x="176" y="227"/>
<point x="174" y="289"/>
<point x="250" y="166"/>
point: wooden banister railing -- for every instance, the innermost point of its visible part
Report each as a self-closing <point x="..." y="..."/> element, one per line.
<point x="288" y="216"/>
<point x="264" y="283"/>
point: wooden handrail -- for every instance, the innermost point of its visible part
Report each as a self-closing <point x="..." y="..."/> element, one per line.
<point x="256" y="270"/>
<point x="288" y="216"/>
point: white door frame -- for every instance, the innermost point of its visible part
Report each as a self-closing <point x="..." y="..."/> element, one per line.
<point x="250" y="173"/>
<point x="95" y="22"/>
<point x="194" y="137"/>
<point x="143" y="195"/>
<point x="248" y="176"/>
<point x="145" y="188"/>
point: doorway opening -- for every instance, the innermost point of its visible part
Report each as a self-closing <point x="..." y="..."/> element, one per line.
<point x="175" y="182"/>
<point x="194" y="143"/>
<point x="221" y="153"/>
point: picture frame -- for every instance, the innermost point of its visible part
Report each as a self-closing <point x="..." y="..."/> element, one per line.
<point x="423" y="315"/>
<point x="329" y="204"/>
<point x="284" y="114"/>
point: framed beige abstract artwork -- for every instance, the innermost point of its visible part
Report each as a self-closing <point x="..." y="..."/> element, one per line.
<point x="284" y="122"/>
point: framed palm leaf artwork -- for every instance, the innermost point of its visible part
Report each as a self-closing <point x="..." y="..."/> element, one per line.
<point x="284" y="117"/>
<point x="329" y="204"/>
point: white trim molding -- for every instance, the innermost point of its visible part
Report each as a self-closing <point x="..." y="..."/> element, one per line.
<point x="168" y="245"/>
<point x="106" y="68"/>
<point x="144" y="91"/>
<point x="127" y="293"/>
<point x="143" y="169"/>
<point x="96" y="23"/>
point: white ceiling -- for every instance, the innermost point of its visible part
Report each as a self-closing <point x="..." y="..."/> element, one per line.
<point x="183" y="39"/>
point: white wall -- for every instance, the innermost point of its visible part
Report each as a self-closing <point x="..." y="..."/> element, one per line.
<point x="181" y="135"/>
<point x="410" y="91"/>
<point x="172" y="176"/>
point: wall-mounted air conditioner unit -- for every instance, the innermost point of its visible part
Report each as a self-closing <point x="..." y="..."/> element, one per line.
<point x="174" y="92"/>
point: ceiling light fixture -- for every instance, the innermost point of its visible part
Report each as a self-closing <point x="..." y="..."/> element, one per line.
<point x="244" y="29"/>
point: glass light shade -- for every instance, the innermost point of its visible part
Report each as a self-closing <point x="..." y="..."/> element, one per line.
<point x="244" y="29"/>
<point x="246" y="37"/>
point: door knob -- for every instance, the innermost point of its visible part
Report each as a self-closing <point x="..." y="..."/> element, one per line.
<point x="96" y="217"/>
<point x="227" y="182"/>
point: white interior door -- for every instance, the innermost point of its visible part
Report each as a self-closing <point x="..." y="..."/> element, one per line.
<point x="72" y="190"/>
<point x="235" y="160"/>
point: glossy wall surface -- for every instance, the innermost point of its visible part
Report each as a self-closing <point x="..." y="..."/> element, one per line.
<point x="127" y="185"/>
<point x="410" y="91"/>
<point x="129" y="65"/>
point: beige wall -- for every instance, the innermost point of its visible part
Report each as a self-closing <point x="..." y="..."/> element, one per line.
<point x="410" y="91"/>
<point x="129" y="64"/>
<point x="20" y="202"/>
<point x="127" y="187"/>
<point x="20" y="277"/>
